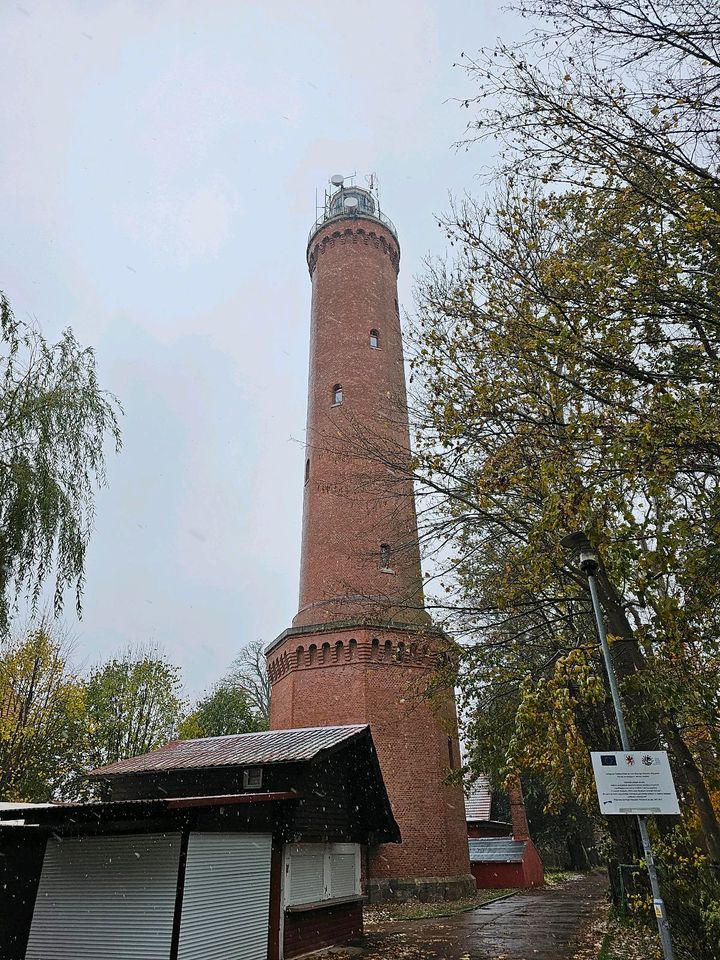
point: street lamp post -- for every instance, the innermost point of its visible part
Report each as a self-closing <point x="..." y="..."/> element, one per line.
<point x="589" y="565"/>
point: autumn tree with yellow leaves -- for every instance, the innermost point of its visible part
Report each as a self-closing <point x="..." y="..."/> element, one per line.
<point x="566" y="376"/>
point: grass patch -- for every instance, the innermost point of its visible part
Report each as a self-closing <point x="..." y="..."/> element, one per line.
<point x="414" y="910"/>
<point x="553" y="878"/>
<point x="605" y="947"/>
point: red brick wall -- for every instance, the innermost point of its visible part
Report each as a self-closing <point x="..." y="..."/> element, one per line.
<point x="351" y="504"/>
<point x="412" y="742"/>
<point x="308" y="930"/>
<point x="533" y="870"/>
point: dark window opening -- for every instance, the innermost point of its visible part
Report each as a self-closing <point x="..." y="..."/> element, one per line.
<point x="307" y="469"/>
<point x="385" y="557"/>
<point x="337" y="396"/>
<point x="374" y="339"/>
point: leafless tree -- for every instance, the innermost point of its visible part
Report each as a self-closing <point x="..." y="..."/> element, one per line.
<point x="249" y="673"/>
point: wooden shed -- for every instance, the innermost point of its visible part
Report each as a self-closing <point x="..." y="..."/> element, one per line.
<point x="247" y="846"/>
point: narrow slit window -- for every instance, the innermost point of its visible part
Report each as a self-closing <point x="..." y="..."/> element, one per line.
<point x="307" y="469"/>
<point x="337" y="395"/>
<point x="374" y="339"/>
<point x="385" y="556"/>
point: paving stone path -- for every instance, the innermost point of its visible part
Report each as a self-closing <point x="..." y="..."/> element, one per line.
<point x="538" y="925"/>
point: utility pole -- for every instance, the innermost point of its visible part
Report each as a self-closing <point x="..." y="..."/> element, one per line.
<point x="589" y="565"/>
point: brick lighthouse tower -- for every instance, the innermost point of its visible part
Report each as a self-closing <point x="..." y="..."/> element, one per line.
<point x="361" y="647"/>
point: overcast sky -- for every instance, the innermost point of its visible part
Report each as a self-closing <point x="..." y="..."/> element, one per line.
<point x="160" y="161"/>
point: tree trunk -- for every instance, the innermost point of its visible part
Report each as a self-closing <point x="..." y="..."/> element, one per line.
<point x="703" y="803"/>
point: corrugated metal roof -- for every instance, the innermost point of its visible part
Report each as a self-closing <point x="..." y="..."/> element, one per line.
<point x="478" y="800"/>
<point x="496" y="850"/>
<point x="236" y="750"/>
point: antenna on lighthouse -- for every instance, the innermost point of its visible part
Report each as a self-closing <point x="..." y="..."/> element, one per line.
<point x="337" y="179"/>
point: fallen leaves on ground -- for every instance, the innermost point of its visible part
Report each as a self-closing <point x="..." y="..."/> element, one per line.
<point x="622" y="941"/>
<point x="413" y="910"/>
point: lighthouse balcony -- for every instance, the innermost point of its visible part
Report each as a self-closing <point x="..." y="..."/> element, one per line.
<point x="337" y="211"/>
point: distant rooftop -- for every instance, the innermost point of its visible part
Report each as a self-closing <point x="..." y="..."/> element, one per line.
<point x="478" y="800"/>
<point x="236" y="750"/>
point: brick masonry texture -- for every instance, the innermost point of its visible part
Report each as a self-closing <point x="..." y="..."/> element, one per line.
<point x="353" y="503"/>
<point x="334" y="666"/>
<point x="364" y="675"/>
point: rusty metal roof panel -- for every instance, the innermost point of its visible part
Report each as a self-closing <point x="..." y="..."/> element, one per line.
<point x="236" y="750"/>
<point x="478" y="800"/>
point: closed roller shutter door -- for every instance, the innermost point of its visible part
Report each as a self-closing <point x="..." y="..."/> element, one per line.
<point x="106" y="898"/>
<point x="226" y="902"/>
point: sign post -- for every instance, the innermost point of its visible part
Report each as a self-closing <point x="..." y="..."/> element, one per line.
<point x="629" y="795"/>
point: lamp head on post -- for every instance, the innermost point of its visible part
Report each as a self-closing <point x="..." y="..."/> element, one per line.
<point x="578" y="542"/>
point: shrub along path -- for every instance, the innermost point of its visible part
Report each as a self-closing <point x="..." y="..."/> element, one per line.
<point x="540" y="924"/>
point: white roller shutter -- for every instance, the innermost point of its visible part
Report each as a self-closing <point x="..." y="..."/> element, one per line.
<point x="106" y="898"/>
<point x="321" y="872"/>
<point x="226" y="903"/>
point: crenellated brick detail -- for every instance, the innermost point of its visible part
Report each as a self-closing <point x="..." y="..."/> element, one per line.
<point x="319" y="653"/>
<point x="379" y="237"/>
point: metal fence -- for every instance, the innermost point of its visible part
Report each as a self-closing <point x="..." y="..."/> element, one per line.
<point x="347" y="215"/>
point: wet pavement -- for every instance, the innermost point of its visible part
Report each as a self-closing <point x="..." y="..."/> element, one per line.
<point x="538" y="925"/>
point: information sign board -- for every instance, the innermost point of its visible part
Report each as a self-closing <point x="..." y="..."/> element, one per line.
<point x="635" y="782"/>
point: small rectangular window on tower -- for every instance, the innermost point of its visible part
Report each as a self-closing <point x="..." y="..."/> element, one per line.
<point x="385" y="558"/>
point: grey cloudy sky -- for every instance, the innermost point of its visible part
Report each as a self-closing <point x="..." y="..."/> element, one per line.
<point x="160" y="165"/>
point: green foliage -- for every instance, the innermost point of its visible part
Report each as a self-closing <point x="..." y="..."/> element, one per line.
<point x="42" y="713"/>
<point x="226" y="709"/>
<point x="54" y="423"/>
<point x="566" y="373"/>
<point x="133" y="703"/>
<point x="691" y="890"/>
